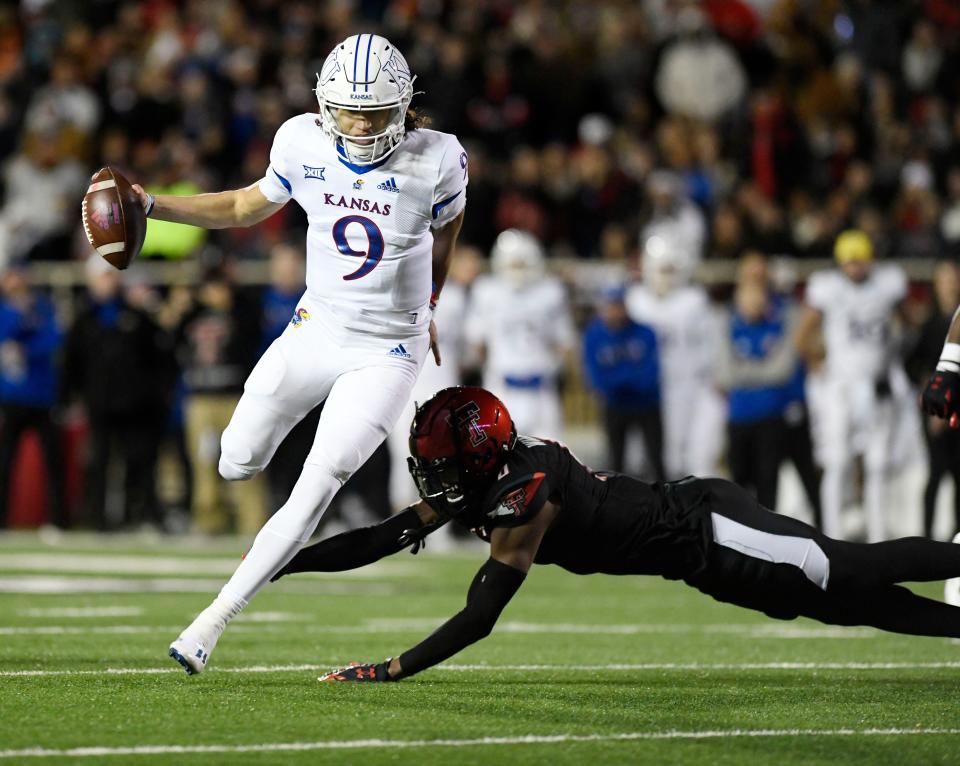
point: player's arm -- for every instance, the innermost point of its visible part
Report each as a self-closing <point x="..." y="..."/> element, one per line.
<point x="444" y="240"/>
<point x="807" y="338"/>
<point x="512" y="551"/>
<point x="942" y="393"/>
<point x="359" y="547"/>
<point x="219" y="210"/>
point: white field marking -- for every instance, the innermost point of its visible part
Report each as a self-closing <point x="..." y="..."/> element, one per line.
<point x="529" y="739"/>
<point x="67" y="585"/>
<point x="165" y="565"/>
<point x="453" y="668"/>
<point x="84" y="611"/>
<point x="773" y="630"/>
<point x="264" y="626"/>
<point x="274" y="617"/>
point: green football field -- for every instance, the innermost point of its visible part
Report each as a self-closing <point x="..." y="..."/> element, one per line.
<point x="580" y="670"/>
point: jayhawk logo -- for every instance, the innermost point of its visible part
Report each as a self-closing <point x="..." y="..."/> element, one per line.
<point x="301" y="316"/>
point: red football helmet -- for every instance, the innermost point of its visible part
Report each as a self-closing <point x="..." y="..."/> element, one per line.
<point x="459" y="439"/>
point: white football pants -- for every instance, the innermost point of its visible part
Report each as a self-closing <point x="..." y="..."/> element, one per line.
<point x="366" y="381"/>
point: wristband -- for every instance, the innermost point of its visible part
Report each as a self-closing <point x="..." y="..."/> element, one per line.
<point x="150" y="203"/>
<point x="949" y="358"/>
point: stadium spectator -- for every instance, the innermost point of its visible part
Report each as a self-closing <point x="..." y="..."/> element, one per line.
<point x="30" y="337"/>
<point x="756" y="362"/>
<point x="621" y="364"/>
<point x="119" y="364"/>
<point x="217" y="342"/>
<point x="43" y="187"/>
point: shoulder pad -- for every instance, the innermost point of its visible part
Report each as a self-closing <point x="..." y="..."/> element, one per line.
<point x="515" y="500"/>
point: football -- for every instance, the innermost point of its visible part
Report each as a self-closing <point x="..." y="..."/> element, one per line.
<point x="113" y="218"/>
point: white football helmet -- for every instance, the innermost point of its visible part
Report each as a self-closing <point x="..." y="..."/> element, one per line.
<point x="666" y="266"/>
<point x="518" y="257"/>
<point x="365" y="73"/>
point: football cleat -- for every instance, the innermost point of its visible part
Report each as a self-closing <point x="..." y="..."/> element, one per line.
<point x="192" y="650"/>
<point x="951" y="588"/>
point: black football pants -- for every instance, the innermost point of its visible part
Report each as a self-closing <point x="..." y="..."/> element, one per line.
<point x="787" y="569"/>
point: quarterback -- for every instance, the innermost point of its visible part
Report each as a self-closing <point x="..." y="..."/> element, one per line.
<point x="384" y="199"/>
<point x="536" y="504"/>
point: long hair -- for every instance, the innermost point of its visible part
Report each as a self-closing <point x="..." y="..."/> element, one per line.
<point x="414" y="120"/>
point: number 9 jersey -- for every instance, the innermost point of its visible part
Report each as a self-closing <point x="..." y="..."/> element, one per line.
<point x="369" y="241"/>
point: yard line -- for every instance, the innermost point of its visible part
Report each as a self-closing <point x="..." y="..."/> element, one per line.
<point x="531" y="739"/>
<point x="66" y="585"/>
<point x="758" y="631"/>
<point x="84" y="611"/>
<point x="468" y="668"/>
<point x="108" y="563"/>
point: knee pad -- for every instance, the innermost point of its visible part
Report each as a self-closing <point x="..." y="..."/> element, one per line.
<point x="232" y="472"/>
<point x="236" y="461"/>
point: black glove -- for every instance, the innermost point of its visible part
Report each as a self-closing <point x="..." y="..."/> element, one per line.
<point x="942" y="395"/>
<point x="361" y="673"/>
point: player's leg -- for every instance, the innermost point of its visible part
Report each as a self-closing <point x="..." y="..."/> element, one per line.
<point x="362" y="407"/>
<point x="742" y="524"/>
<point x="276" y="396"/>
<point x="836" y="454"/>
<point x="877" y="466"/>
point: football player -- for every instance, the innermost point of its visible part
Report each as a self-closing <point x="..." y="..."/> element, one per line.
<point x="519" y="321"/>
<point x="385" y="199"/>
<point x="536" y="504"/>
<point x="940" y="398"/>
<point x="863" y="382"/>
<point x="688" y="335"/>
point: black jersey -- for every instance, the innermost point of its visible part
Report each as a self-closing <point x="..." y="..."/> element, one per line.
<point x="606" y="523"/>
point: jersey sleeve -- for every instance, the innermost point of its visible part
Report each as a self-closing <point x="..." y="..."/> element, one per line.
<point x="516" y="499"/>
<point x="819" y="291"/>
<point x="450" y="193"/>
<point x="275" y="184"/>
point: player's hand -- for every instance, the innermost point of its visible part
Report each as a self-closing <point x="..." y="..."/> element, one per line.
<point x="141" y="195"/>
<point x="942" y="396"/>
<point x="360" y="673"/>
<point x="435" y="342"/>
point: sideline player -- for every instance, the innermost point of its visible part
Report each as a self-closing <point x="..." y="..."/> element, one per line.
<point x="518" y="320"/>
<point x="864" y="382"/>
<point x="536" y="504"/>
<point x="385" y="199"/>
<point x="688" y="335"/>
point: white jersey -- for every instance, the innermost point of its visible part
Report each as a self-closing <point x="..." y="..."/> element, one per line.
<point x="525" y="329"/>
<point x="686" y="327"/>
<point x="369" y="242"/>
<point x="857" y="319"/>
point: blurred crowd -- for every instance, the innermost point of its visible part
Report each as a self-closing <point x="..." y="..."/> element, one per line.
<point x="766" y="124"/>
<point x="618" y="134"/>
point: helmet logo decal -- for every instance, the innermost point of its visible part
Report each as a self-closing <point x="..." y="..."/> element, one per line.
<point x="468" y="416"/>
<point x="398" y="70"/>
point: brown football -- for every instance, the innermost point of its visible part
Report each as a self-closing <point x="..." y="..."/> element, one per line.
<point x="113" y="218"/>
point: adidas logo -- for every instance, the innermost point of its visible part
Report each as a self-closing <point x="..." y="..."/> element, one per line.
<point x="389" y="185"/>
<point x="400" y="351"/>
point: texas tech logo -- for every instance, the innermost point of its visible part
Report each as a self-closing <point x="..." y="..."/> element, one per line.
<point x="515" y="503"/>
<point x="468" y="417"/>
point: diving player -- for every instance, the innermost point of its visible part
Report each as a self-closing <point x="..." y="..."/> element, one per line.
<point x="384" y="198"/>
<point x="536" y="504"/>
